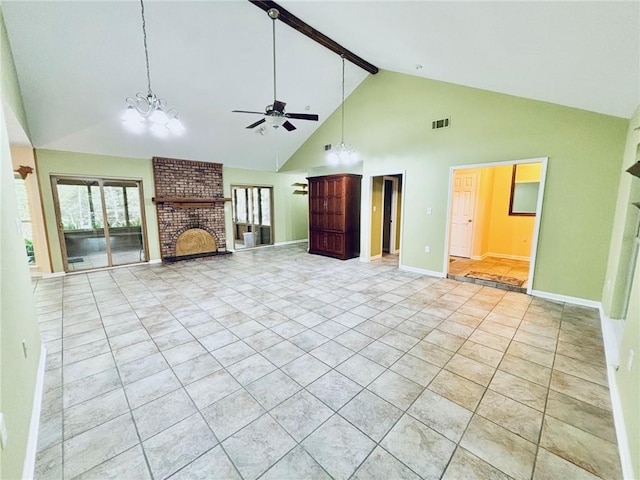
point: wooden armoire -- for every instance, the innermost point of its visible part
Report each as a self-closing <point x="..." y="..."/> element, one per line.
<point x="334" y="215"/>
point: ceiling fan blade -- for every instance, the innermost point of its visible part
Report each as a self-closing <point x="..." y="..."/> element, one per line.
<point x="302" y="116"/>
<point x="288" y="126"/>
<point x="262" y="120"/>
<point x="246" y="111"/>
<point x="278" y="106"/>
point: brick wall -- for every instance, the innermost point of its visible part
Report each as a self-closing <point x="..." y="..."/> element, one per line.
<point x="185" y="178"/>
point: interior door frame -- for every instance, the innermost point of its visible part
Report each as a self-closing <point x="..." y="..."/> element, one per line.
<point x="536" y="227"/>
<point x="101" y="180"/>
<point x="365" y="213"/>
<point x="394" y="215"/>
<point x="250" y="198"/>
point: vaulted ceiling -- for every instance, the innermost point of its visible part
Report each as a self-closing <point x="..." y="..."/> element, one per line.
<point x="78" y="61"/>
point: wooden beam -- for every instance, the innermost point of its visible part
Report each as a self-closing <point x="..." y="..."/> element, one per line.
<point x="294" y="22"/>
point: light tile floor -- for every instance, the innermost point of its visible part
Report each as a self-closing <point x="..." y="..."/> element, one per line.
<point x="273" y="363"/>
<point x="519" y="269"/>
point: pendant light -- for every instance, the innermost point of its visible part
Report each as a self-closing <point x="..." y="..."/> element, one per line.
<point x="148" y="110"/>
<point x="342" y="154"/>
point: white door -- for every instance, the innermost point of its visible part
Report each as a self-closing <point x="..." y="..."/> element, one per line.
<point x="464" y="200"/>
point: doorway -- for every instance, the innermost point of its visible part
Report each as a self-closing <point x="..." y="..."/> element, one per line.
<point x="494" y="218"/>
<point x="100" y="222"/>
<point x="252" y="215"/>
<point x="386" y="206"/>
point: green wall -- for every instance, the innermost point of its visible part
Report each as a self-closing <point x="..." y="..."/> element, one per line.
<point x="625" y="227"/>
<point x="52" y="162"/>
<point x="628" y="379"/>
<point x="616" y="289"/>
<point x="388" y="120"/>
<point x="290" y="216"/>
<point x="18" y="321"/>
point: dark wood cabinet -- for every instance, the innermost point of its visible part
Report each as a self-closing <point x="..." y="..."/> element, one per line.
<point x="334" y="215"/>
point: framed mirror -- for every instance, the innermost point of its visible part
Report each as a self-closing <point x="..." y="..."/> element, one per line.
<point x="525" y="185"/>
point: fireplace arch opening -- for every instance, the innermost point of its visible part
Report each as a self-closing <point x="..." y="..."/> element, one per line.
<point x="195" y="241"/>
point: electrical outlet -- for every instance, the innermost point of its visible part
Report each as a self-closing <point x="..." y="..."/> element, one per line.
<point x="630" y="361"/>
<point x="428" y="210"/>
<point x="3" y="431"/>
<point x="427" y="249"/>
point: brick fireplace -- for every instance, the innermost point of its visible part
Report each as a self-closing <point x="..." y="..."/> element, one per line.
<point x="190" y="204"/>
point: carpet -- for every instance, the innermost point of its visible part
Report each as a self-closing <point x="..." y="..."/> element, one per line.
<point x="516" y="282"/>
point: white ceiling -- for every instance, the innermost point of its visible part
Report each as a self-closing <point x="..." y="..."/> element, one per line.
<point x="77" y="61"/>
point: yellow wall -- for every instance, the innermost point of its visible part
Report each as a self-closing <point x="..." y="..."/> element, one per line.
<point x="399" y="213"/>
<point x="377" y="209"/>
<point x="495" y="232"/>
<point x="23" y="156"/>
<point x="528" y="172"/>
<point x="509" y="235"/>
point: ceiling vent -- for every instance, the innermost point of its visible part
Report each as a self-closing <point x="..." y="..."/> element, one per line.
<point x="441" y="123"/>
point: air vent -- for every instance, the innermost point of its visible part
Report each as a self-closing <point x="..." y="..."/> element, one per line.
<point x="441" y="123"/>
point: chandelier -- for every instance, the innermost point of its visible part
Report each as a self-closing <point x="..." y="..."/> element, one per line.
<point x="149" y="111"/>
<point x="342" y="154"/>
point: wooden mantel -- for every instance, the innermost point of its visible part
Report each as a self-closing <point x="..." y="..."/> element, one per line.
<point x="190" y="202"/>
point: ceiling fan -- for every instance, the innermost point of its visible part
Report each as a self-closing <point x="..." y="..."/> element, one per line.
<point x="274" y="114"/>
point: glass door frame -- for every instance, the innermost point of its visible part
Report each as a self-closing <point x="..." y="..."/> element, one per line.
<point x="101" y="184"/>
<point x="254" y="226"/>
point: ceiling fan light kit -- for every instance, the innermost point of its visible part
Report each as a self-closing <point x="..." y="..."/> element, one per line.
<point x="274" y="114"/>
<point x="342" y="154"/>
<point x="149" y="111"/>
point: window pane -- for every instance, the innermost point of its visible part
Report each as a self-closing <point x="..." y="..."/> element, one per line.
<point x="265" y="194"/>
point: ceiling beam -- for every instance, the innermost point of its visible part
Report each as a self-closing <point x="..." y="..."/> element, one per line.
<point x="306" y="29"/>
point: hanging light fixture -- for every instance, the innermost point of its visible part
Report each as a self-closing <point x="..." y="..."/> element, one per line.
<point x="149" y="110"/>
<point x="342" y="154"/>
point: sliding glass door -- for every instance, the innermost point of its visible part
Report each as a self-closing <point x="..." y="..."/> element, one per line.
<point x="252" y="215"/>
<point x="100" y="222"/>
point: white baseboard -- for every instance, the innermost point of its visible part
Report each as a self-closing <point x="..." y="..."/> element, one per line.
<point x="277" y="244"/>
<point x="54" y="275"/>
<point x="34" y="426"/>
<point x="524" y="258"/>
<point x="290" y="242"/>
<point x="154" y="261"/>
<point x="612" y="338"/>
<point x="565" y="298"/>
<point x="422" y="271"/>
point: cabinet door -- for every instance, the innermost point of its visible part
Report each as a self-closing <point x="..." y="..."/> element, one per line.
<point x="317" y="203"/>
<point x="317" y="241"/>
<point x="335" y="204"/>
<point x="335" y="244"/>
